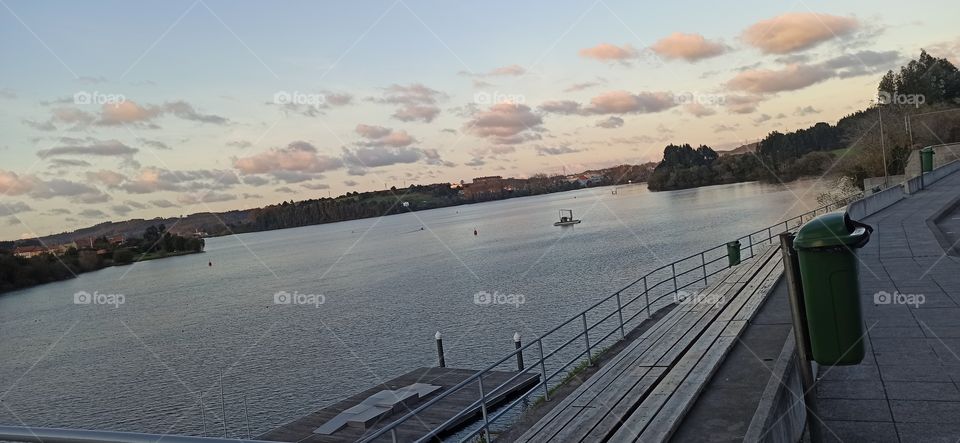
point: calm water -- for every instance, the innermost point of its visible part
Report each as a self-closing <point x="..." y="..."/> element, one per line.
<point x="387" y="287"/>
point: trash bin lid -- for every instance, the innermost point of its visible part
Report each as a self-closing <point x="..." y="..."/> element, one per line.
<point x="834" y="229"/>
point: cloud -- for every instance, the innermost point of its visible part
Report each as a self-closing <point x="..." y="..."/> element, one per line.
<point x="584" y="85"/>
<point x="623" y="102"/>
<point x="240" y="144"/>
<point x="111" y="179"/>
<point x="806" y="110"/>
<point x="126" y="112"/>
<point x="92" y="213"/>
<point x="797" y="31"/>
<point x="725" y="128"/>
<point x="380" y="136"/>
<point x="607" y="52"/>
<point x="790" y="78"/>
<point x="505" y="123"/>
<point x="416" y="102"/>
<point x="13" y="208"/>
<point x="255" y="180"/>
<point x="315" y="186"/>
<point x="559" y="150"/>
<point x="293" y="176"/>
<point x="121" y="210"/>
<point x="152" y="179"/>
<point x="350" y="183"/>
<point x="699" y="109"/>
<point x="376" y="156"/>
<point x="615" y="102"/>
<point x="136" y="205"/>
<point x="154" y="144"/>
<point x="510" y="70"/>
<point x="285" y="190"/>
<point x="798" y="76"/>
<point x="610" y="122"/>
<point x="7" y="94"/>
<point x="204" y="197"/>
<point x="163" y="203"/>
<point x="108" y="148"/>
<point x="762" y="118"/>
<point x="742" y="104"/>
<point x="68" y="163"/>
<point x="297" y="156"/>
<point x="12" y="184"/>
<point x="689" y="47"/>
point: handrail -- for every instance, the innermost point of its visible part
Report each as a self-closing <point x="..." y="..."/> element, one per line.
<point x="650" y="281"/>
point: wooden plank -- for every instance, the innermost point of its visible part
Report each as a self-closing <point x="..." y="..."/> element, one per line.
<point x="601" y="403"/>
<point x="666" y="421"/>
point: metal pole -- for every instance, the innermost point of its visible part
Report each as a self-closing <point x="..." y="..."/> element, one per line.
<point x="620" y="314"/>
<point x="750" y="237"/>
<point x="886" y="179"/>
<point x="516" y="344"/>
<point x="437" y="336"/>
<point x="246" y="418"/>
<point x="586" y="338"/>
<point x="673" y="270"/>
<point x="543" y="371"/>
<point x="798" y="313"/>
<point x="483" y="408"/>
<point x="203" y="417"/>
<point x="646" y="294"/>
<point x="703" y="265"/>
<point x="393" y="435"/>
<point x="223" y="408"/>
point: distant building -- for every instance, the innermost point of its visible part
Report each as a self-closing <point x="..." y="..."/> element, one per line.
<point x="30" y="251"/>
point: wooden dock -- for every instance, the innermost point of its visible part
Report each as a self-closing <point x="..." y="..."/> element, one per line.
<point x="302" y="429"/>
<point x="643" y="393"/>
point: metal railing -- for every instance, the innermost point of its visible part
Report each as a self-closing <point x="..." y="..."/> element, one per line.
<point x="593" y="329"/>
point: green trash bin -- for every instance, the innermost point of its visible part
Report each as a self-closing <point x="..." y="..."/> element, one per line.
<point x="733" y="253"/>
<point x="831" y="287"/>
<point x="926" y="159"/>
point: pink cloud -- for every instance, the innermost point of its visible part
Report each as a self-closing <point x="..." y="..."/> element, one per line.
<point x="791" y="77"/>
<point x="297" y="156"/>
<point x="689" y="47"/>
<point x="796" y="31"/>
<point x="506" y="123"/>
<point x="607" y="52"/>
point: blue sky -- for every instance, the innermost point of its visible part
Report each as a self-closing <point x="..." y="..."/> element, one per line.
<point x="412" y="92"/>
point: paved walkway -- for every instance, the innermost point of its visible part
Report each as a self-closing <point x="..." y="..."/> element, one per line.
<point x="908" y="387"/>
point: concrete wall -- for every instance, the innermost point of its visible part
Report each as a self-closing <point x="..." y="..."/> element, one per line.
<point x="780" y="417"/>
<point x="873" y="203"/>
<point x="883" y="183"/>
<point x="942" y="155"/>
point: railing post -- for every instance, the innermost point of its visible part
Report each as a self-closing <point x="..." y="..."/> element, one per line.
<point x="440" y="359"/>
<point x="543" y="371"/>
<point x="620" y="314"/>
<point x="673" y="271"/>
<point x="770" y="235"/>
<point x="703" y="265"/>
<point x="203" y="416"/>
<point x="750" y="237"/>
<point x="586" y="337"/>
<point x="646" y="294"/>
<point x="483" y="408"/>
<point x="393" y="435"/>
<point x="516" y="344"/>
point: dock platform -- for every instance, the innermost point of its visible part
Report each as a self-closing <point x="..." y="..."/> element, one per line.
<point x="302" y="429"/>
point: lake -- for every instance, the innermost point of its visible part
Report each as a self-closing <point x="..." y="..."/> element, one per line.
<point x="367" y="297"/>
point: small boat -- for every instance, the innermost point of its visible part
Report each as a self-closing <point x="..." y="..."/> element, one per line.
<point x="566" y="218"/>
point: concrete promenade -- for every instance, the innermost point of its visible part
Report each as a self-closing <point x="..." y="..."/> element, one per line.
<point x="908" y="387"/>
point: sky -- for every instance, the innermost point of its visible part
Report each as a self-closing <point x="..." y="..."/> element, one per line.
<point x="111" y="110"/>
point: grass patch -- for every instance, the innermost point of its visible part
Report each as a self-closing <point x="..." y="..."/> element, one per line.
<point x="574" y="372"/>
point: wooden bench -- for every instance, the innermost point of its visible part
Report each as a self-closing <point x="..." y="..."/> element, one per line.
<point x="649" y="385"/>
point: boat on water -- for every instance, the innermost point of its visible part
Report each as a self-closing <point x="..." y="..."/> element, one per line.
<point x="566" y="218"/>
